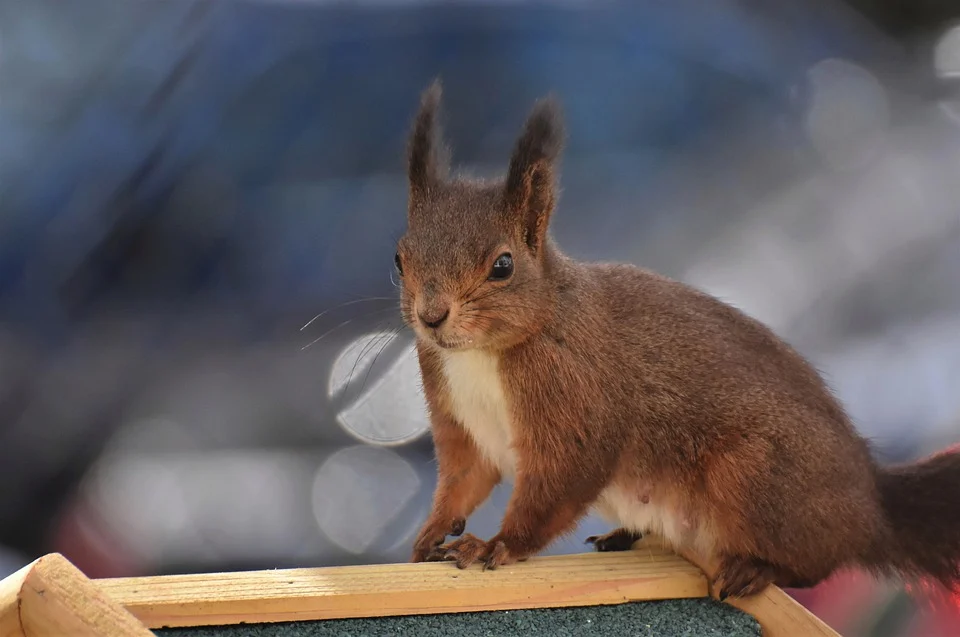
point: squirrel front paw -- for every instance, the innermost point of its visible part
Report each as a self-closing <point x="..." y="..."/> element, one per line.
<point x="432" y="535"/>
<point x="469" y="550"/>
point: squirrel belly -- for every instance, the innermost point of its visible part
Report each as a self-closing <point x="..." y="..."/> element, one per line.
<point x="642" y="511"/>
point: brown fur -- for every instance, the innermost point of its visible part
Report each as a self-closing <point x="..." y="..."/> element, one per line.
<point x="622" y="381"/>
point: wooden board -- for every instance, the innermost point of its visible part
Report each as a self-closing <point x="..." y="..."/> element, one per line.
<point x="404" y="589"/>
<point x="781" y="615"/>
<point x="51" y="597"/>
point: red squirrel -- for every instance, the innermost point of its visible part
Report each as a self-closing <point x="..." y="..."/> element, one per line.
<point x="610" y="388"/>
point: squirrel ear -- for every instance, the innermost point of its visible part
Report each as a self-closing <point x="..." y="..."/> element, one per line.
<point x="426" y="155"/>
<point x="530" y="185"/>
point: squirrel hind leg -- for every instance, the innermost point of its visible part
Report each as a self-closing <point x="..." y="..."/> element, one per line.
<point x="743" y="576"/>
<point x="621" y="539"/>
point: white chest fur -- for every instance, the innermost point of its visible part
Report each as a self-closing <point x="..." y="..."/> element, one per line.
<point x="480" y="404"/>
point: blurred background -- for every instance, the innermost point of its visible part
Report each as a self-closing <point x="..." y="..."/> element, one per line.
<point x="185" y="184"/>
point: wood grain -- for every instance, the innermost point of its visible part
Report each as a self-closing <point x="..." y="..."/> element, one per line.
<point x="404" y="589"/>
<point x="782" y="616"/>
<point x="52" y="597"/>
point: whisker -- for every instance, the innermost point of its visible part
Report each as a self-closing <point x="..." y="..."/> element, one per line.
<point x="474" y="288"/>
<point x="382" y="347"/>
<point x="484" y="328"/>
<point x="396" y="284"/>
<point x="382" y="338"/>
<point x="319" y="338"/>
<point x="366" y="344"/>
<point x="472" y="320"/>
<point x="518" y="308"/>
<point x="490" y="319"/>
<point x="509" y="306"/>
<point x="496" y="291"/>
<point x="344" y="324"/>
<point x="364" y="300"/>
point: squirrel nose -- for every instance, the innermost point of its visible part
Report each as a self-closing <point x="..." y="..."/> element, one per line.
<point x="435" y="317"/>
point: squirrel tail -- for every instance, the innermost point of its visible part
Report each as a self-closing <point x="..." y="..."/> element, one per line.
<point x="921" y="503"/>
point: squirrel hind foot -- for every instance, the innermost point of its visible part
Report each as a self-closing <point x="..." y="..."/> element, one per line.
<point x="618" y="540"/>
<point x="743" y="576"/>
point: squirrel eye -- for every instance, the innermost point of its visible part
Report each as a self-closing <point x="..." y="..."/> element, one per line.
<point x="398" y="263"/>
<point x="502" y="267"/>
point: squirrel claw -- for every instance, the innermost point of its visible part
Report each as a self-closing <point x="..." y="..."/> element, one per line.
<point x="462" y="561"/>
<point x="498" y="556"/>
<point x="468" y="550"/>
<point x="465" y="551"/>
<point x="437" y="554"/>
<point x="428" y="546"/>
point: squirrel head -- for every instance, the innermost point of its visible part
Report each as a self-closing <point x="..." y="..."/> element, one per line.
<point x="474" y="262"/>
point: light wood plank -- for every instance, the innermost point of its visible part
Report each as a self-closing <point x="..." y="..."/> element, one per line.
<point x="649" y="572"/>
<point x="404" y="589"/>
<point x="782" y="616"/>
<point x="52" y="597"/>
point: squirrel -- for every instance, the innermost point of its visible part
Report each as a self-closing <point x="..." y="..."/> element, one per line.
<point x="608" y="388"/>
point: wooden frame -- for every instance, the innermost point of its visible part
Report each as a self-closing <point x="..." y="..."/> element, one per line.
<point x="51" y="597"/>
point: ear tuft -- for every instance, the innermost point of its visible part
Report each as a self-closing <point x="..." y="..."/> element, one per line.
<point x="426" y="155"/>
<point x="530" y="187"/>
<point x="542" y="138"/>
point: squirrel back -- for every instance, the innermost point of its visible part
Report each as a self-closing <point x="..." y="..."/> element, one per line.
<point x="610" y="387"/>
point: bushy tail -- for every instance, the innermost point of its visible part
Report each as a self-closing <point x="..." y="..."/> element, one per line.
<point x="922" y="506"/>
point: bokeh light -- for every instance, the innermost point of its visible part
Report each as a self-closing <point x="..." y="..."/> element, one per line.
<point x="391" y="409"/>
<point x="358" y="491"/>
<point x="946" y="58"/>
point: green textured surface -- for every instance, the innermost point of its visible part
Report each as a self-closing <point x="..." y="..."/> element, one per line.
<point x="668" y="618"/>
